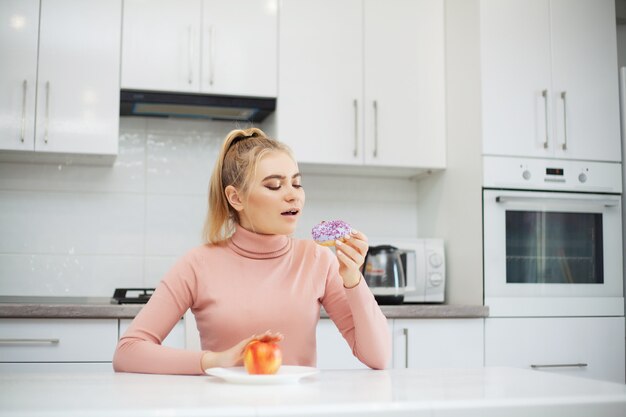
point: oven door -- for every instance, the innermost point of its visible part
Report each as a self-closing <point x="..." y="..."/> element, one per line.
<point x="552" y="253"/>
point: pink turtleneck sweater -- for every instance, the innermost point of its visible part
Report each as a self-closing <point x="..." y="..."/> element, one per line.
<point x="248" y="285"/>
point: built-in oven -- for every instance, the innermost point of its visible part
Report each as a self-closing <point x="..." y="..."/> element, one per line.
<point x="552" y="238"/>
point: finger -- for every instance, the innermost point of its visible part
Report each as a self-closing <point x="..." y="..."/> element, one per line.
<point x="354" y="254"/>
<point x="358" y="235"/>
<point x="346" y="260"/>
<point x="268" y="337"/>
<point x="361" y="246"/>
<point x="271" y="338"/>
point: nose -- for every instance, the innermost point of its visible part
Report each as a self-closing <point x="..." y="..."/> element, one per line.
<point x="291" y="194"/>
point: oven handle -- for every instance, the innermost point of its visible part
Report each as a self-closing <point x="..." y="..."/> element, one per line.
<point x="595" y="202"/>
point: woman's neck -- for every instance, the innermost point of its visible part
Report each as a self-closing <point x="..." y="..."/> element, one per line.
<point x="258" y="246"/>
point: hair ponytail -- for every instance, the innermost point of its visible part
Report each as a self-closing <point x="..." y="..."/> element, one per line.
<point x="235" y="165"/>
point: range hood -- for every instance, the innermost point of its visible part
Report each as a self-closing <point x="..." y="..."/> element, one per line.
<point x="195" y="106"/>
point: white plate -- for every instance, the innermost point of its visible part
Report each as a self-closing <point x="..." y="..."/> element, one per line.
<point x="285" y="375"/>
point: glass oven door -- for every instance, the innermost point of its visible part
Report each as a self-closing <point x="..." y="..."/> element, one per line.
<point x="554" y="248"/>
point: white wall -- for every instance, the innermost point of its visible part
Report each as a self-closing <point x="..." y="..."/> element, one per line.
<point x="450" y="203"/>
<point x="70" y="229"/>
<point x="621" y="45"/>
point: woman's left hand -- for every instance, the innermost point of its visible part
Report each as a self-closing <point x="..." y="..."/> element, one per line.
<point x="351" y="254"/>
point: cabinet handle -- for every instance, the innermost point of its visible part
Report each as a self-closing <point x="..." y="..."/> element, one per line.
<point x="47" y="122"/>
<point x="356" y="127"/>
<point x="29" y="341"/>
<point x="23" y="130"/>
<point x="211" y="52"/>
<point x="405" y="332"/>
<point x="375" y="129"/>
<point x="563" y="97"/>
<point x="189" y="55"/>
<point x="544" y="93"/>
<point x="560" y="365"/>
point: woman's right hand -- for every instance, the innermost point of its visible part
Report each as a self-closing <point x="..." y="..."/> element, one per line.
<point x="234" y="355"/>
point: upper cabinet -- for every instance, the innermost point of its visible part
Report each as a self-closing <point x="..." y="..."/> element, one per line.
<point x="61" y="88"/>
<point x="550" y="79"/>
<point x="361" y="82"/>
<point x="201" y="46"/>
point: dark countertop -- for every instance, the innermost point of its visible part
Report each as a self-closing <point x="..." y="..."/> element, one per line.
<point x="101" y="307"/>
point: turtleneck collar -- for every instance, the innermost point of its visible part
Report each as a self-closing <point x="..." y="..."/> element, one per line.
<point x="258" y="246"/>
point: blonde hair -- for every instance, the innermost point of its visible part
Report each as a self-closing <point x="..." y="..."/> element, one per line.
<point x="236" y="166"/>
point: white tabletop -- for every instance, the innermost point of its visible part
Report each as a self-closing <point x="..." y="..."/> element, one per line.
<point x="434" y="392"/>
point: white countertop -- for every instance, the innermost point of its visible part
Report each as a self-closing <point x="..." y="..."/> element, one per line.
<point x="434" y="392"/>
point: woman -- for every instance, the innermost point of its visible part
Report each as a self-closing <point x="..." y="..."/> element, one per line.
<point x="251" y="277"/>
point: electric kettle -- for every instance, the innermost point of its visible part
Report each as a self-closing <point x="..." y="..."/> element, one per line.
<point x="384" y="274"/>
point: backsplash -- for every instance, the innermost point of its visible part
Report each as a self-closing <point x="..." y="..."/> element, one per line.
<point x="81" y="230"/>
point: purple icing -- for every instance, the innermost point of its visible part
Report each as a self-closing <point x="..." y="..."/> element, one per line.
<point x="330" y="230"/>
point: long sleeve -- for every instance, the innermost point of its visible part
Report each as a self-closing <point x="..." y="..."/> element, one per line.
<point x="140" y="349"/>
<point x="359" y="319"/>
<point x="252" y="284"/>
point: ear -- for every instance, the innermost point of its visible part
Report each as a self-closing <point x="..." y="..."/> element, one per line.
<point x="233" y="197"/>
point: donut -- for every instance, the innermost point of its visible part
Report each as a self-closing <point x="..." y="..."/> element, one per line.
<point x="325" y="233"/>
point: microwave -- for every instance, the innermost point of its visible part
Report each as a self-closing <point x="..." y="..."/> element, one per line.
<point x="424" y="265"/>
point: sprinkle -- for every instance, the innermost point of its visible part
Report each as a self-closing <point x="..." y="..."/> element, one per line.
<point x="330" y="230"/>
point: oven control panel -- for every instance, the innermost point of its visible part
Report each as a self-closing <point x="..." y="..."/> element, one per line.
<point x="551" y="174"/>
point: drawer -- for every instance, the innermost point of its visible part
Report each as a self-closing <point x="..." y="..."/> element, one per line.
<point x="590" y="347"/>
<point x="54" y="367"/>
<point x="57" y="340"/>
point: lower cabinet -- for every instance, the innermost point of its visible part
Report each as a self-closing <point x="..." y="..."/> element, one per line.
<point x="333" y="352"/>
<point x="590" y="347"/>
<point x="49" y="344"/>
<point x="438" y="343"/>
<point x="416" y="343"/>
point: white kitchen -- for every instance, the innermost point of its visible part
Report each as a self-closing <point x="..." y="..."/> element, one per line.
<point x="480" y="137"/>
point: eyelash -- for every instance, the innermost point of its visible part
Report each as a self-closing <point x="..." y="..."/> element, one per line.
<point x="296" y="186"/>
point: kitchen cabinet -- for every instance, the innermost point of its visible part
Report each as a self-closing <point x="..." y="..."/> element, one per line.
<point x="195" y="46"/>
<point x="61" y="88"/>
<point x="549" y="79"/>
<point x="333" y="352"/>
<point x="432" y="343"/>
<point x="590" y="347"/>
<point x="416" y="343"/>
<point x="57" y="341"/>
<point x="368" y="89"/>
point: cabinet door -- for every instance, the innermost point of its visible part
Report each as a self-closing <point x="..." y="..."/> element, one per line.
<point x="57" y="340"/>
<point x="333" y="352"/>
<point x="320" y="106"/>
<point x="404" y="83"/>
<point x="239" y="47"/>
<point x="55" y="367"/>
<point x="516" y="77"/>
<point x="19" y="28"/>
<point x="431" y="343"/>
<point x="586" y="100"/>
<point x="578" y="346"/>
<point x="161" y="45"/>
<point x="78" y="80"/>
